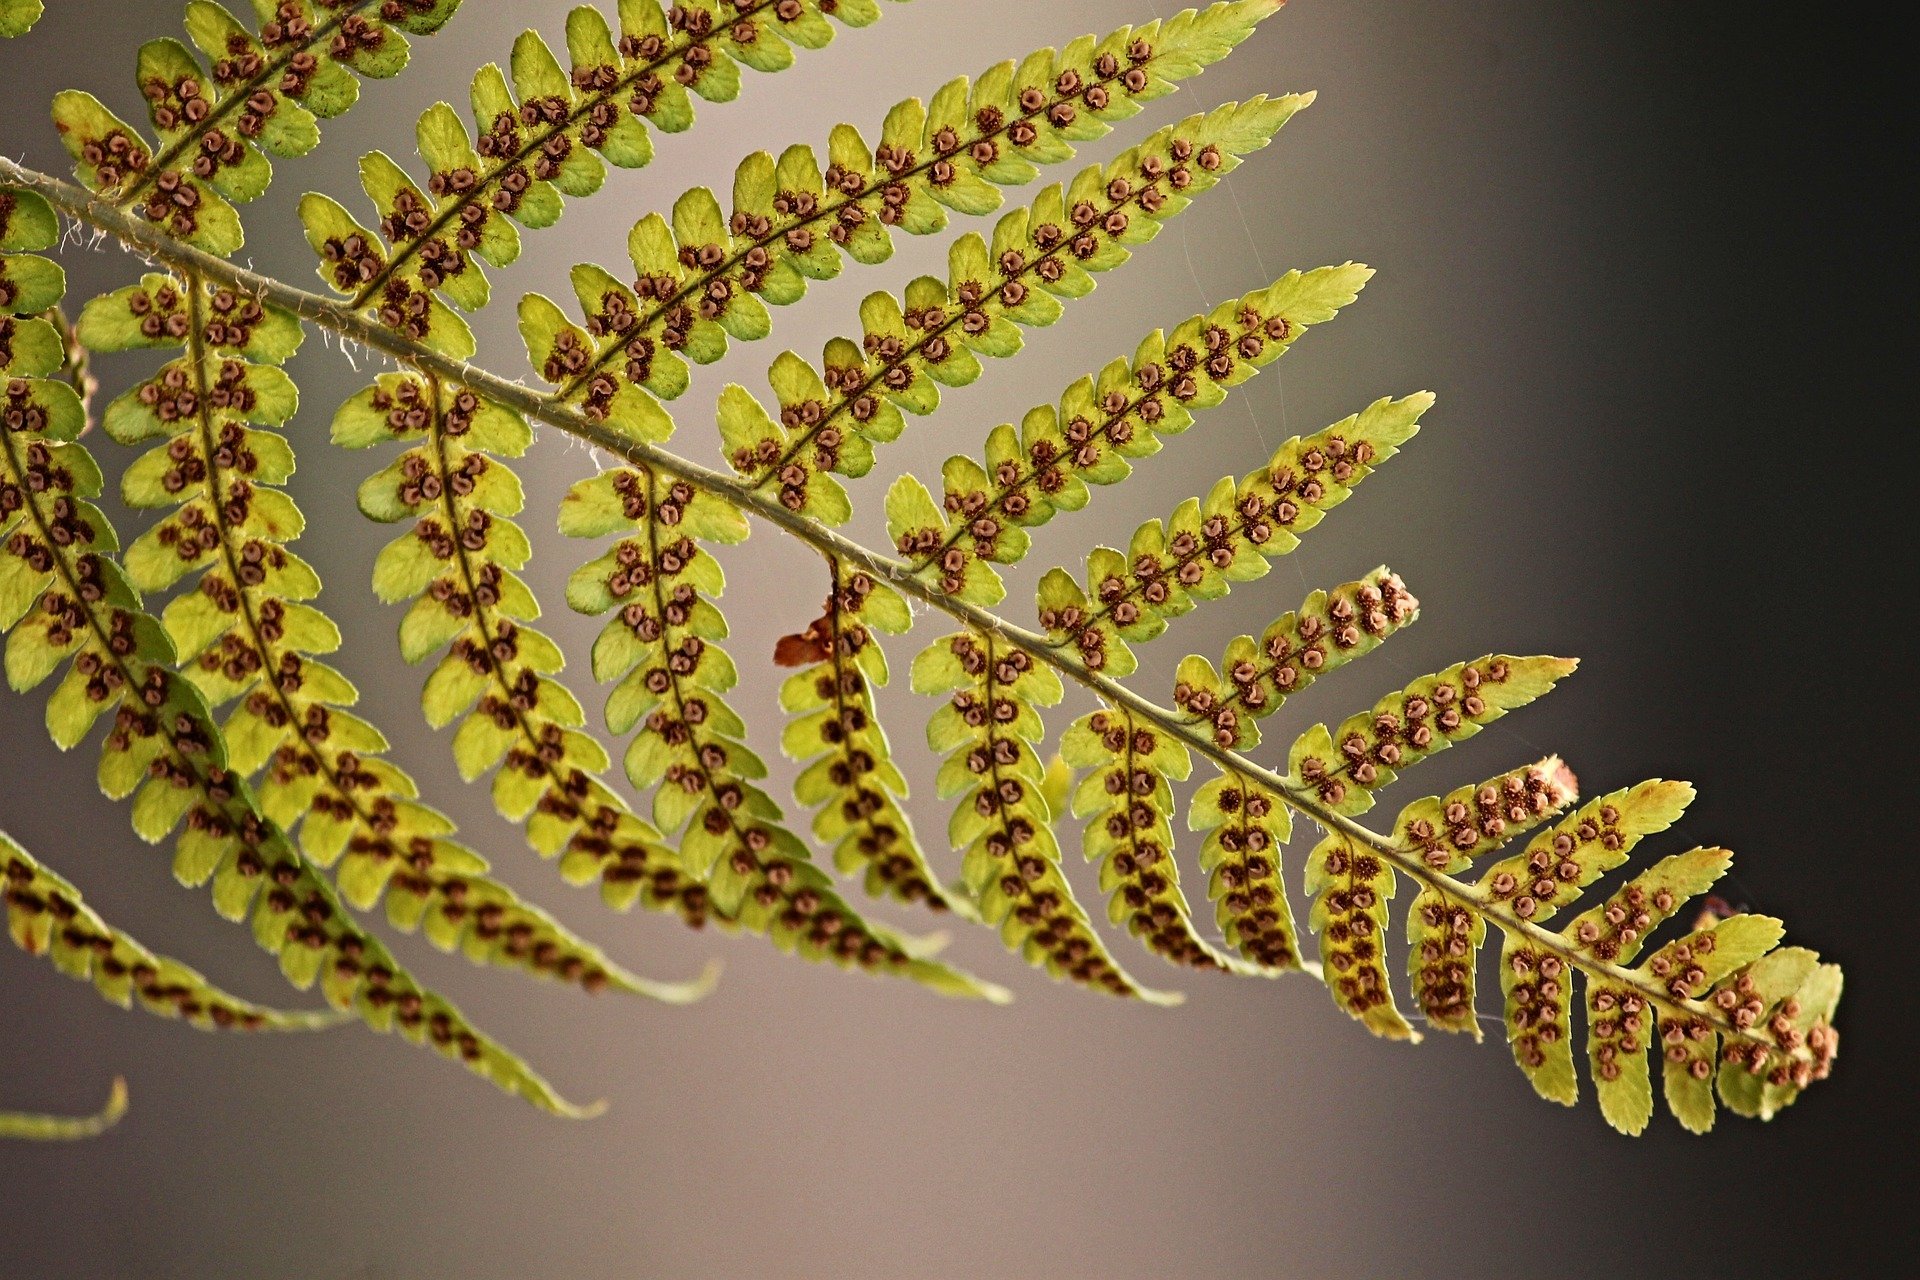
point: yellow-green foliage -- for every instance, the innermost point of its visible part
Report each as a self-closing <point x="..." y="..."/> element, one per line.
<point x="293" y="813"/>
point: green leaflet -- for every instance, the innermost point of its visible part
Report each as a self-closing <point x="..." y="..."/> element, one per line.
<point x="1127" y="796"/>
<point x="1023" y="478"/>
<point x="662" y="650"/>
<point x="1781" y="1002"/>
<point x="455" y="568"/>
<point x="246" y="635"/>
<point x="1208" y="544"/>
<point x="934" y="334"/>
<point x="1582" y="849"/>
<point x="991" y="727"/>
<point x="165" y="751"/>
<point x="38" y="1128"/>
<point x="1352" y="885"/>
<point x="1445" y="834"/>
<point x="1255" y="677"/>
<point x="216" y="121"/>
<point x="541" y="133"/>
<point x="850" y="777"/>
<point x="46" y="917"/>
<point x="1345" y="767"/>
<point x="350" y="257"/>
<point x="707" y="276"/>
<point x="1245" y="826"/>
<point x="16" y="19"/>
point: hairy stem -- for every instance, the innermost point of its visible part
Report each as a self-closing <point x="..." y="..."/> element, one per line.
<point x="339" y="318"/>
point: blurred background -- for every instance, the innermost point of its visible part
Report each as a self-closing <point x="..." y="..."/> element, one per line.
<point x="1645" y="255"/>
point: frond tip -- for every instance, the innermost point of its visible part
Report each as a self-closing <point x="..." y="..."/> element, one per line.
<point x="46" y="917"/>
<point x="41" y="1128"/>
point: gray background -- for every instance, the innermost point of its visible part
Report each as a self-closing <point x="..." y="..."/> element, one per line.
<point x="1645" y="256"/>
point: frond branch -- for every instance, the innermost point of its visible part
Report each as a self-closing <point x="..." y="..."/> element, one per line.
<point x="339" y="319"/>
<point x="41" y="1128"/>
<point x="46" y="916"/>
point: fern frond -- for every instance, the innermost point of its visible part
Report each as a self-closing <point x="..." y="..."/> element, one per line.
<point x="542" y="132"/>
<point x="247" y="631"/>
<point x="662" y="648"/>
<point x="989" y="730"/>
<point x="1246" y="823"/>
<point x="1329" y="630"/>
<point x="66" y="602"/>
<point x="41" y="1128"/>
<point x="46" y="917"/>
<point x="1767" y="1021"/>
<point x="850" y="777"/>
<point x="1352" y="887"/>
<point x="934" y="334"/>
<point x="1126" y="794"/>
<point x="456" y="569"/>
<point x="1208" y="544"/>
<point x="1101" y="422"/>
<point x="1344" y="768"/>
<point x="705" y="275"/>
<point x="258" y="93"/>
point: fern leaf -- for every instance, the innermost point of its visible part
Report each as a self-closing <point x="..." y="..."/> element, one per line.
<point x="1025" y="477"/>
<point x="1208" y="544"/>
<point x="1245" y="822"/>
<point x="934" y="334"/>
<point x="662" y="648"/>
<point x="705" y="275"/>
<point x="66" y="601"/>
<point x="850" y="777"/>
<point x="495" y="675"/>
<point x="46" y="917"/>
<point x="990" y="728"/>
<point x="40" y="1128"/>
<point x="1255" y="677"/>
<point x="1245" y="825"/>
<point x="247" y="632"/>
<point x="542" y="133"/>
<point x="1353" y="887"/>
<point x="1537" y="881"/>
<point x="216" y="122"/>
<point x="1344" y="768"/>
<point x="1127" y="793"/>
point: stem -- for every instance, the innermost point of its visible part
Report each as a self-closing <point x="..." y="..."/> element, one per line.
<point x="151" y="242"/>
